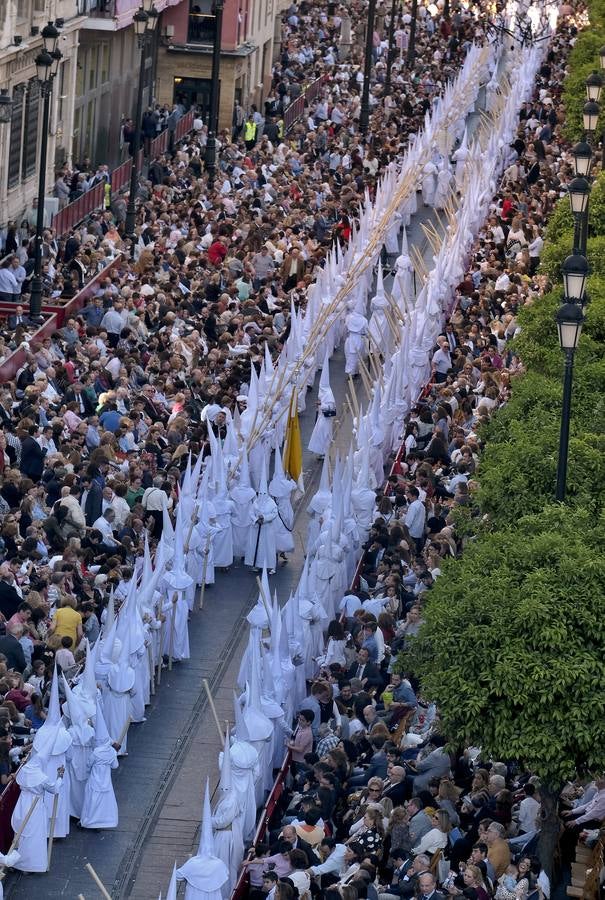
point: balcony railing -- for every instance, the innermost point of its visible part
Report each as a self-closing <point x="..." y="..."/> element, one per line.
<point x="202" y="27"/>
<point x="101" y="9"/>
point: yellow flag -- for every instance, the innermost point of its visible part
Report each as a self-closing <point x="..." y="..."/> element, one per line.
<point x="293" y="444"/>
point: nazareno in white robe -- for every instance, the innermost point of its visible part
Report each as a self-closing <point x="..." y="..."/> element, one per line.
<point x="223" y="540"/>
<point x="429" y="183"/>
<point x="177" y="615"/>
<point x="78" y="756"/>
<point x="243" y="497"/>
<point x="284" y="524"/>
<point x="116" y="702"/>
<point x="228" y="840"/>
<point x="202" y="875"/>
<point x="33" y="843"/>
<point x="265" y="556"/>
<point x="100" y="809"/>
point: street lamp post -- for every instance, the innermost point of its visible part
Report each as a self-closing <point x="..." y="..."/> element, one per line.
<point x="210" y="157"/>
<point x="364" y="114"/>
<point x="144" y="21"/>
<point x="391" y="52"/>
<point x="570" y="319"/>
<point x="47" y="64"/>
<point x="570" y="316"/>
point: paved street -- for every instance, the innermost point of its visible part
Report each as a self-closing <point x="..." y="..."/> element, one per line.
<point x="159" y="786"/>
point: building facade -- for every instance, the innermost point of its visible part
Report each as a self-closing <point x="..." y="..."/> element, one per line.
<point x="108" y="74"/>
<point x="184" y="64"/>
<point x="95" y="87"/>
<point x="20" y="43"/>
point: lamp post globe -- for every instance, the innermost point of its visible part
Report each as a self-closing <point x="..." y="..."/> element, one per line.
<point x="594" y="87"/>
<point x="575" y="273"/>
<point x="570" y="319"/>
<point x="50" y="35"/>
<point x="590" y="115"/>
<point x="579" y="192"/>
<point x="582" y="158"/>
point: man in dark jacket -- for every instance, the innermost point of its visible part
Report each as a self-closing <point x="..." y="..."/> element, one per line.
<point x="12" y="649"/>
<point x="93" y="505"/>
<point x="367" y="671"/>
<point x="404" y="881"/>
<point x="32" y="455"/>
<point x="9" y="596"/>
<point x="77" y="394"/>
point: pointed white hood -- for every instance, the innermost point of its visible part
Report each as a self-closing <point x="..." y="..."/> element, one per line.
<point x="171" y="893"/>
<point x="102" y="736"/>
<point x="258" y="725"/>
<point x="52" y="738"/>
<point x="323" y="496"/>
<point x="86" y="688"/>
<point x="281" y="485"/>
<point x="325" y="394"/>
<point x="176" y="576"/>
<point x="205" y="871"/>
<point x="262" y="485"/>
<point x="75" y="711"/>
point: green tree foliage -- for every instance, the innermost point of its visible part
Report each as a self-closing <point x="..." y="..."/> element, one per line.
<point x="583" y="59"/>
<point x="513" y="649"/>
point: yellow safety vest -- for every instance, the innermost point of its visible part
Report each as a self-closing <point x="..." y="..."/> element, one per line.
<point x="249" y="131"/>
<point x="280" y="128"/>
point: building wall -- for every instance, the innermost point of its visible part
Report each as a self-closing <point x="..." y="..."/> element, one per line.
<point x="247" y="52"/>
<point x="174" y="65"/>
<point x="106" y="84"/>
<point x="19" y="140"/>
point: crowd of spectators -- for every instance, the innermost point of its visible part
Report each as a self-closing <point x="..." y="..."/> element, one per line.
<point x="97" y="424"/>
<point x="378" y="807"/>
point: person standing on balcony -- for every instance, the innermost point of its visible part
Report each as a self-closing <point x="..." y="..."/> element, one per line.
<point x="61" y="190"/>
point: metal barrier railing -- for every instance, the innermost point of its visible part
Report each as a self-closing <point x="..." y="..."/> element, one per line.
<point x="184" y="125"/>
<point x="94" y="199"/>
<point x="241" y="885"/>
<point x="74" y="212"/>
<point x="296" y="109"/>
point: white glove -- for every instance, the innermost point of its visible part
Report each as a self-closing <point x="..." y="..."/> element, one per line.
<point x="10" y="859"/>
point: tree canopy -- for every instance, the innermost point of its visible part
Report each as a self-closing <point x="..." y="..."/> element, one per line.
<point x="513" y="649"/>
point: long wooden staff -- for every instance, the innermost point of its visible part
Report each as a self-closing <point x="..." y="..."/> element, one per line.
<point x="161" y="659"/>
<point x="205" y="569"/>
<point x="213" y="708"/>
<point x="51" y="830"/>
<point x="98" y="882"/>
<point x="17" y="836"/>
<point x="124" y="731"/>
<point x="172" y="624"/>
<point x="151" y="670"/>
